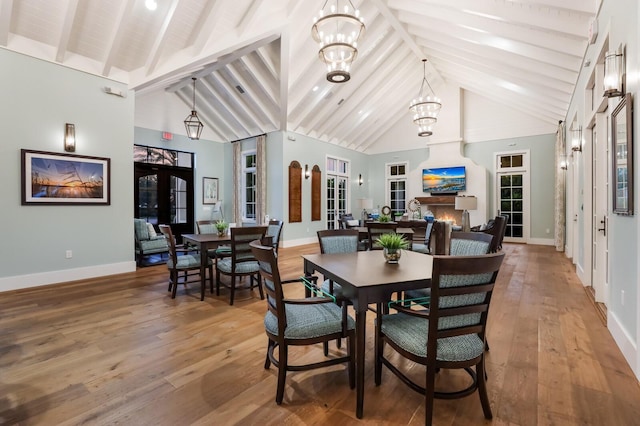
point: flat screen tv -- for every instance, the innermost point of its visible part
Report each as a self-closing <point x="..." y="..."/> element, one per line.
<point x="444" y="180"/>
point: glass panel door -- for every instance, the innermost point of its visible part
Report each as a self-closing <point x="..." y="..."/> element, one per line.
<point x="511" y="202"/>
<point x="336" y="200"/>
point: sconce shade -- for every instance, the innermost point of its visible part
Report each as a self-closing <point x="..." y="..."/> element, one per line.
<point x="564" y="165"/>
<point x="192" y="123"/>
<point x="576" y="139"/>
<point x="613" y="73"/>
<point x="466" y="203"/>
<point x="307" y="173"/>
<point x="360" y="179"/>
<point x="69" y="137"/>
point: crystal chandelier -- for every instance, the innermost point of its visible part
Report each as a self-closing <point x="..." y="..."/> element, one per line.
<point x="337" y="32"/>
<point x="426" y="106"/>
<point x="192" y="123"/>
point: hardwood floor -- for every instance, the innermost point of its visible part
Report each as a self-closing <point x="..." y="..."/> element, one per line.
<point x="119" y="350"/>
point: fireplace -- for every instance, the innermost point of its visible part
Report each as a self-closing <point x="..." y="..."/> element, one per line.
<point x="442" y="208"/>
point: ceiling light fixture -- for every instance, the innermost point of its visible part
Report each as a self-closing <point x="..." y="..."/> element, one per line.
<point x="426" y="106"/>
<point x="151" y="4"/>
<point x="192" y="123"/>
<point x="338" y="32"/>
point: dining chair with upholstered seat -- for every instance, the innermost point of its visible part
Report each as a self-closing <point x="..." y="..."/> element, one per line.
<point x="206" y="226"/>
<point x="449" y="333"/>
<point x="461" y="244"/>
<point x="241" y="262"/>
<point x="375" y="229"/>
<point x="336" y="241"/>
<point x="274" y="230"/>
<point x="298" y="322"/>
<point x="187" y="263"/>
<point x="424" y="247"/>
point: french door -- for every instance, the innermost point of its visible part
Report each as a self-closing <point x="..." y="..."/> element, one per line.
<point x="512" y="193"/>
<point x="164" y="195"/>
<point x="336" y="200"/>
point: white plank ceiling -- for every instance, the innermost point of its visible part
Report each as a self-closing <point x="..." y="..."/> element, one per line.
<point x="258" y="69"/>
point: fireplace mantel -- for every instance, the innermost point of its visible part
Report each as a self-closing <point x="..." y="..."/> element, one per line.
<point x="441" y="200"/>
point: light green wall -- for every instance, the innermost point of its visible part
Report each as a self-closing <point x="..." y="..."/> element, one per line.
<point x="38" y="98"/>
<point x="542" y="181"/>
<point x="542" y="162"/>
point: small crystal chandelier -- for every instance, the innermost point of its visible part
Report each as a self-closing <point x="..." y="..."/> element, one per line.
<point x="338" y="33"/>
<point x="425" y="107"/>
<point x="192" y="123"/>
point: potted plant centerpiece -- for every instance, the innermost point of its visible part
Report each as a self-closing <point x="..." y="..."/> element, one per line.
<point x="392" y="245"/>
<point x="221" y="227"/>
<point x="384" y="218"/>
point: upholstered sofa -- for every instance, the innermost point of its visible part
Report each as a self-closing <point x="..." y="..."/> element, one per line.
<point x="148" y="240"/>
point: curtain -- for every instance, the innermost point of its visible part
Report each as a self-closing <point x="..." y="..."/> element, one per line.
<point x="261" y="180"/>
<point x="560" y="201"/>
<point x="236" y="211"/>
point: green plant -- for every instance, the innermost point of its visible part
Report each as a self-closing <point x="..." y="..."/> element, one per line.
<point x="384" y="218"/>
<point x="393" y="241"/>
<point x="221" y="225"/>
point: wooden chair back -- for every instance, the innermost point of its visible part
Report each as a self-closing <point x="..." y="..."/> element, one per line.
<point x="470" y="243"/>
<point x="497" y="230"/>
<point x="375" y="229"/>
<point x="206" y="226"/>
<point x="274" y="230"/>
<point x="268" y="261"/>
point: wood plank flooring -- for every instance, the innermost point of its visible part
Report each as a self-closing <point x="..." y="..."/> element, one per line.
<point x="119" y="350"/>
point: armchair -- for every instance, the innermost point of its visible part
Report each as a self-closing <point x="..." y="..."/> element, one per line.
<point x="147" y="240"/>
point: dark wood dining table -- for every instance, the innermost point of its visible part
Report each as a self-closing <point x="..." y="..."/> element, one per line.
<point x="366" y="278"/>
<point x="205" y="242"/>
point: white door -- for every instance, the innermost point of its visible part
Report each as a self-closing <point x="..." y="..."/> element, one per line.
<point x="600" y="164"/>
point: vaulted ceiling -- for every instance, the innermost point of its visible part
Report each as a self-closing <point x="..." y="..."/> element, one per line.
<point x="258" y="69"/>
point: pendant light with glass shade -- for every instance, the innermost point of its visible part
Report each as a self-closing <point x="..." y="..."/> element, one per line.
<point x="192" y="123"/>
<point x="338" y="31"/>
<point x="426" y="106"/>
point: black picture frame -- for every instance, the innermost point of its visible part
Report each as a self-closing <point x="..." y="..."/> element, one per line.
<point x="622" y="156"/>
<point x="51" y="178"/>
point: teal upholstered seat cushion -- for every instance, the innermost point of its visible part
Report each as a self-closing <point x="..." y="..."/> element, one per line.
<point x="410" y="333"/>
<point x="224" y="265"/>
<point x="309" y="321"/>
<point x="420" y="248"/>
<point x="187" y="261"/>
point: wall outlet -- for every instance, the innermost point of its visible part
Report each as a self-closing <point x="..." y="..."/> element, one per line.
<point x="622" y="297"/>
<point x="68" y="254"/>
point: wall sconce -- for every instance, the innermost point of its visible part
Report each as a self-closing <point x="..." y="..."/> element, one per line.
<point x="307" y="173"/>
<point x="360" y="179"/>
<point x="614" y="73"/>
<point x="69" y="137"/>
<point x="576" y="140"/>
<point x="564" y="165"/>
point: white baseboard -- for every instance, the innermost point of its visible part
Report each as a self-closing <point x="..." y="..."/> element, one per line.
<point x="624" y="341"/>
<point x="53" y="277"/>
<point x="299" y="242"/>
<point x="542" y="241"/>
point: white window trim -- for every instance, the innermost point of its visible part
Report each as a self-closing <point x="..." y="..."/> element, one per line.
<point x="337" y="174"/>
<point x="396" y="178"/>
<point x="244" y="155"/>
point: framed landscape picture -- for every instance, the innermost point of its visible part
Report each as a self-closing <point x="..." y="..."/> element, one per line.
<point x="209" y="190"/>
<point x="64" y="179"/>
